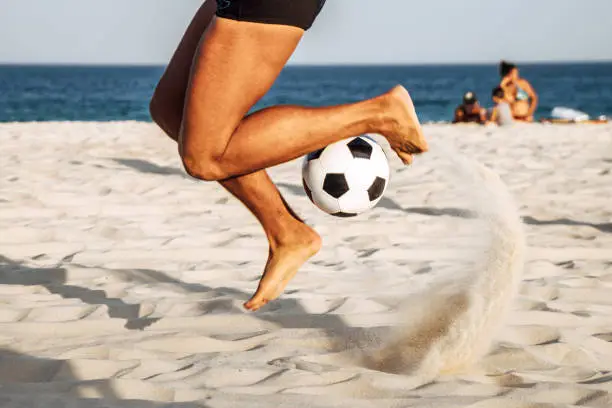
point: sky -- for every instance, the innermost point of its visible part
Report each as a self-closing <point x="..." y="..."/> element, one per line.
<point x="347" y="31"/>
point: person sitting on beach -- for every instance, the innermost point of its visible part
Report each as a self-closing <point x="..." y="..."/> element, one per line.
<point x="470" y="110"/>
<point x="501" y="113"/>
<point x="230" y="56"/>
<point x="523" y="99"/>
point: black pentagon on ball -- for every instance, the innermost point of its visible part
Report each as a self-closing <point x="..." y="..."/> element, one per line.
<point x="314" y="155"/>
<point x="377" y="188"/>
<point x="360" y="148"/>
<point x="344" y="215"/>
<point x="335" y="184"/>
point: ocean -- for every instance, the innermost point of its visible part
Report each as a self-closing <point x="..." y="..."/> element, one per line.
<point x="116" y="93"/>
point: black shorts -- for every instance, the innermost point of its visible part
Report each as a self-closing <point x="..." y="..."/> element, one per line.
<point x="297" y="13"/>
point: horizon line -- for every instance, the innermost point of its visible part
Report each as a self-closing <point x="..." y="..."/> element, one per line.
<point x="313" y="65"/>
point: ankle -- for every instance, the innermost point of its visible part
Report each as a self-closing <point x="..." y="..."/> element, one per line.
<point x="380" y="118"/>
<point x="291" y="234"/>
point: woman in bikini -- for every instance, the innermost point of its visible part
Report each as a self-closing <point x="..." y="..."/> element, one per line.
<point x="230" y="55"/>
<point x="523" y="99"/>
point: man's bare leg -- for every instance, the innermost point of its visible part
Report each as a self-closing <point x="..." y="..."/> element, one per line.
<point x="235" y="65"/>
<point x="282" y="226"/>
<point x="286" y="257"/>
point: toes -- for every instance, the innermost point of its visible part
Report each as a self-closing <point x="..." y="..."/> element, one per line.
<point x="406" y="158"/>
<point x="424" y="145"/>
<point x="255" y="304"/>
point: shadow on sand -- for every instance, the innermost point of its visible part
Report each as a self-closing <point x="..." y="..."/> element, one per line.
<point x="34" y="382"/>
<point x="54" y="280"/>
<point x="604" y="227"/>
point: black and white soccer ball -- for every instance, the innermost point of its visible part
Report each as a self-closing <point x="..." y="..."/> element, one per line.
<point x="348" y="177"/>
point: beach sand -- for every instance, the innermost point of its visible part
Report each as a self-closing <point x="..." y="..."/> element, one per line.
<point x="122" y="279"/>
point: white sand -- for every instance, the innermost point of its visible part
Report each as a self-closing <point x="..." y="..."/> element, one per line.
<point x="122" y="278"/>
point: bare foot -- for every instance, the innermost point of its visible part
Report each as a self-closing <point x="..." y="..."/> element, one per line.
<point x="401" y="125"/>
<point x="283" y="263"/>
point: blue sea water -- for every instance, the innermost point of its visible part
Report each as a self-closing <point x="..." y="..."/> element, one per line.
<point x="66" y="93"/>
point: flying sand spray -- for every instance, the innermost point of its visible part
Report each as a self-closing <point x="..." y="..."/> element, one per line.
<point x="451" y="325"/>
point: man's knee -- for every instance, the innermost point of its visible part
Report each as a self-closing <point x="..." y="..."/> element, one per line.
<point x="202" y="167"/>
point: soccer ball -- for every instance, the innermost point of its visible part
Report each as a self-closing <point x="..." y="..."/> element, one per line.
<point x="347" y="177"/>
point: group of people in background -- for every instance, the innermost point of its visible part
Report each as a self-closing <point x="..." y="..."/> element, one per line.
<point x="514" y="99"/>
